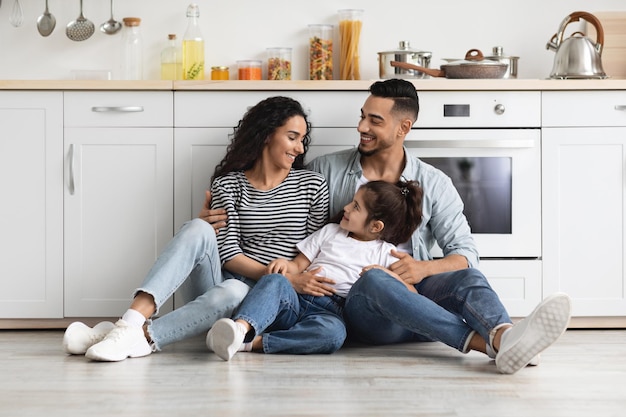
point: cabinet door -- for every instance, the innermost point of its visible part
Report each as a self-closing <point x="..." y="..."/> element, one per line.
<point x="31" y="213"/>
<point x="584" y="225"/>
<point x="118" y="214"/>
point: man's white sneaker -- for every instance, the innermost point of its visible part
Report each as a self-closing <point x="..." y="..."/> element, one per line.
<point x="79" y="337"/>
<point x="124" y="341"/>
<point x="225" y="338"/>
<point x="526" y="339"/>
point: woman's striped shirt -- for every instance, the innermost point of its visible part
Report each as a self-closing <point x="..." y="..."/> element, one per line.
<point x="265" y="225"/>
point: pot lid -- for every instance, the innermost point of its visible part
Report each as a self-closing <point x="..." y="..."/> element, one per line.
<point x="404" y="47"/>
<point x="498" y="53"/>
<point x="474" y="57"/>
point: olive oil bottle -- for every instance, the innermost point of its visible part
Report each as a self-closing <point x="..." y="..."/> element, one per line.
<point x="193" y="46"/>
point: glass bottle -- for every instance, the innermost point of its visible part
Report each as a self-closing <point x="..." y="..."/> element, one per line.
<point x="132" y="60"/>
<point x="171" y="60"/>
<point x="193" y="46"/>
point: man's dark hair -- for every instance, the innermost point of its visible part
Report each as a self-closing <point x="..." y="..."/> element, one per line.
<point x="403" y="94"/>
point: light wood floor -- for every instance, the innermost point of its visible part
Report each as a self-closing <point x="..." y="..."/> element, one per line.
<point x="583" y="374"/>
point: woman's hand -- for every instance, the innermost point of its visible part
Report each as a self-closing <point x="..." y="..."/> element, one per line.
<point x="393" y="274"/>
<point x="308" y="282"/>
<point x="216" y="218"/>
<point x="278" y="266"/>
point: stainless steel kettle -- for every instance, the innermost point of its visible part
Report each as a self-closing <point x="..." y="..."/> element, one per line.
<point x="577" y="57"/>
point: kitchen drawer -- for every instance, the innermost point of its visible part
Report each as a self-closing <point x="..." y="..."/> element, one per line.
<point x="226" y="108"/>
<point x="584" y="108"/>
<point x="118" y="109"/>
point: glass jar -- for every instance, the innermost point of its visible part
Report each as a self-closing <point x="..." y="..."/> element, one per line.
<point x="350" y="24"/>
<point x="249" y="70"/>
<point x="193" y="46"/>
<point x="279" y="63"/>
<point x="320" y="52"/>
<point x="171" y="60"/>
<point x="132" y="49"/>
<point x="219" y="73"/>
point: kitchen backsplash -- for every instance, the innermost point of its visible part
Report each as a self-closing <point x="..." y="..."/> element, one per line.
<point x="245" y="29"/>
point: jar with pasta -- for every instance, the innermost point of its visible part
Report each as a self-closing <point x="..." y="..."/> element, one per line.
<point x="320" y="52"/>
<point x="279" y="63"/>
<point x="350" y="24"/>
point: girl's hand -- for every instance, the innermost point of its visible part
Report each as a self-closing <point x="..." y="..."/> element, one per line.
<point x="308" y="282"/>
<point x="278" y="266"/>
<point x="391" y="273"/>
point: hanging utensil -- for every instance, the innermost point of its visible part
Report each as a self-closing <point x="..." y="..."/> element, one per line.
<point x="111" y="26"/>
<point x="81" y="28"/>
<point x="46" y="22"/>
<point x="17" y="15"/>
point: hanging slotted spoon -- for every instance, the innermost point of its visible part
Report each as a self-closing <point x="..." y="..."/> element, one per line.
<point x="46" y="22"/>
<point x="81" y="28"/>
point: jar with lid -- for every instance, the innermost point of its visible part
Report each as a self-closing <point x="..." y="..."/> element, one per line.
<point x="193" y="46"/>
<point x="171" y="60"/>
<point x="279" y="63"/>
<point x="320" y="52"/>
<point x="249" y="69"/>
<point x="219" y="73"/>
<point x="132" y="49"/>
<point x="350" y="24"/>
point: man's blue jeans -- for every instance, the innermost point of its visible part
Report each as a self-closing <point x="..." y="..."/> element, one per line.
<point x="449" y="308"/>
<point x="290" y="322"/>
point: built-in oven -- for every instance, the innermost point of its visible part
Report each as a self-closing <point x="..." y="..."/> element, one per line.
<point x="489" y="144"/>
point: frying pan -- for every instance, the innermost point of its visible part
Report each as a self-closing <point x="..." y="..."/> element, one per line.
<point x="473" y="66"/>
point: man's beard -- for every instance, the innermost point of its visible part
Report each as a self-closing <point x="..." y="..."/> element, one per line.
<point x="367" y="153"/>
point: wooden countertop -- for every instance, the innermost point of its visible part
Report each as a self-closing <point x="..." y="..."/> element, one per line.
<point x="431" y="84"/>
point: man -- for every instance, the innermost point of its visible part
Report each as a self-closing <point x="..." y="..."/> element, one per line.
<point x="455" y="304"/>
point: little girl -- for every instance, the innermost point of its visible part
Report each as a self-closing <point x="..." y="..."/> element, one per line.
<point x="381" y="216"/>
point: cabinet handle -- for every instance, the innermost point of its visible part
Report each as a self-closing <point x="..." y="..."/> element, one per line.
<point x="620" y="107"/>
<point x="517" y="143"/>
<point x="117" y="109"/>
<point x="71" y="185"/>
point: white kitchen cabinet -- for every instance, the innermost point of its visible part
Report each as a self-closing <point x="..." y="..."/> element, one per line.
<point x="584" y="200"/>
<point x="31" y="213"/>
<point x="118" y="193"/>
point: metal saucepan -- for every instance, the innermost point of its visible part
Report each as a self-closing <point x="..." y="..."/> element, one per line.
<point x="473" y="66"/>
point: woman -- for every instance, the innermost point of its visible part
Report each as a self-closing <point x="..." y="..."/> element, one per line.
<point x="275" y="319"/>
<point x="271" y="202"/>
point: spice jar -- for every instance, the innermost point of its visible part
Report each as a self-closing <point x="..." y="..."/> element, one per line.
<point x="219" y="73"/>
<point x="279" y="63"/>
<point x="320" y="52"/>
<point x="249" y="70"/>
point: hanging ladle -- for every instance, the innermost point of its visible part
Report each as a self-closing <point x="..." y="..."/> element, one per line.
<point x="111" y="26"/>
<point x="81" y="28"/>
<point x="46" y="22"/>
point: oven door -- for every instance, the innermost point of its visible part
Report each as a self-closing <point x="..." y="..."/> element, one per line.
<point x="497" y="173"/>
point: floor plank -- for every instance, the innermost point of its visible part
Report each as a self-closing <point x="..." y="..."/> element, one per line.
<point x="583" y="374"/>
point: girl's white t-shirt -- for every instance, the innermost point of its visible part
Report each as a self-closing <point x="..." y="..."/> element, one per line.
<point x="341" y="257"/>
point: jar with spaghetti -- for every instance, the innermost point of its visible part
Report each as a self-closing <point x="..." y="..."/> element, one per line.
<point x="350" y="24"/>
<point x="249" y="70"/>
<point x="320" y="52"/>
<point x="279" y="63"/>
<point x="219" y="73"/>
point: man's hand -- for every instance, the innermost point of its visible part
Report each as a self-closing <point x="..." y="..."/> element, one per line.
<point x="393" y="274"/>
<point x="216" y="218"/>
<point x="309" y="283"/>
<point x="408" y="269"/>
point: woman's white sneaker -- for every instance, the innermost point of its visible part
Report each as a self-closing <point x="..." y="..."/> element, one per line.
<point x="124" y="341"/>
<point x="79" y="337"/>
<point x="527" y="338"/>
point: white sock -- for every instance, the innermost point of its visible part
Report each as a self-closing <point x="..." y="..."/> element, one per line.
<point x="134" y="318"/>
<point x="245" y="347"/>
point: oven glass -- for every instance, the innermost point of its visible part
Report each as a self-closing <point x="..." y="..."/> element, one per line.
<point x="484" y="184"/>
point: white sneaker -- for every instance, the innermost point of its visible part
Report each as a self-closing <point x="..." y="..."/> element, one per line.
<point x="124" y="341"/>
<point x="79" y="337"/>
<point x="225" y="338"/>
<point x="526" y="339"/>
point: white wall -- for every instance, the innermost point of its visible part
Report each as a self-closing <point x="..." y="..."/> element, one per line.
<point x="243" y="29"/>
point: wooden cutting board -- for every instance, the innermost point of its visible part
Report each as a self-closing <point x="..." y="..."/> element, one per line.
<point x="614" y="51"/>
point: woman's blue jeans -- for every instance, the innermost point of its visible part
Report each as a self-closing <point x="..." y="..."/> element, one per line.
<point x="290" y="322"/>
<point x="191" y="262"/>
<point x="449" y="308"/>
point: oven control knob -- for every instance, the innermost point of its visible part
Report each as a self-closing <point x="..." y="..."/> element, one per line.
<point x="499" y="109"/>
